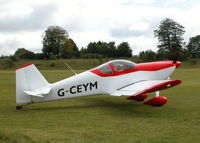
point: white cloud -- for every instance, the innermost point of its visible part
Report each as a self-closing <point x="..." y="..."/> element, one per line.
<point x="21" y="16"/>
<point x="10" y="42"/>
<point x="23" y="22"/>
<point x="168" y="3"/>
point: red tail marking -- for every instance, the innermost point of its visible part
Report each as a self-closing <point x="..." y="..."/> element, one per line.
<point x="24" y="66"/>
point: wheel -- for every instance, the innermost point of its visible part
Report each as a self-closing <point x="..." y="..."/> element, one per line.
<point x="18" y="107"/>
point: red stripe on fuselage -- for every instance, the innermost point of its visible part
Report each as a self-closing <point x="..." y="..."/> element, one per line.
<point x="152" y="66"/>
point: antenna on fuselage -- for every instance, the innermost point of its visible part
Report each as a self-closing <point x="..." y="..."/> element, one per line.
<point x="70" y="68"/>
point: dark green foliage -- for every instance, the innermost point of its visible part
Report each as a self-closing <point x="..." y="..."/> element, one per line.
<point x="108" y="49"/>
<point x="39" y="56"/>
<point x="70" y="50"/>
<point x="14" y="58"/>
<point x="23" y="53"/>
<point x="8" y="63"/>
<point x="148" y="55"/>
<point x="98" y="48"/>
<point x="52" y="57"/>
<point x="52" y="64"/>
<point x="54" y="41"/>
<point x="193" y="47"/>
<point x="112" y="50"/>
<point x="170" y="38"/>
<point x="124" y="50"/>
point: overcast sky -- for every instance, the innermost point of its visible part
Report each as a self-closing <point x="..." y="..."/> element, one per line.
<point x="23" y="22"/>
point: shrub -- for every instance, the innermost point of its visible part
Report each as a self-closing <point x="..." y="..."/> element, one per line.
<point x="52" y="57"/>
<point x="8" y="63"/>
<point x="193" y="62"/>
<point x="52" y="65"/>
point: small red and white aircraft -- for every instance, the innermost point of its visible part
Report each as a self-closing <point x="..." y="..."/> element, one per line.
<point x="117" y="78"/>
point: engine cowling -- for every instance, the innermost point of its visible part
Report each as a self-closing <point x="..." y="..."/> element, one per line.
<point x="157" y="101"/>
<point x="139" y="97"/>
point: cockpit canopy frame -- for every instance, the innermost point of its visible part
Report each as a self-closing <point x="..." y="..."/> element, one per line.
<point x="116" y="66"/>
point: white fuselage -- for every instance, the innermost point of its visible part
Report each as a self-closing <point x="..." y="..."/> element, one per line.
<point x="88" y="83"/>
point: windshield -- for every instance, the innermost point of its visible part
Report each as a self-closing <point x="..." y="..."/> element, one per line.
<point x="122" y="65"/>
<point x="116" y="66"/>
<point x="105" y="69"/>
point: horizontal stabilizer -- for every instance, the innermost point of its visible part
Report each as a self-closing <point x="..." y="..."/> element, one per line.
<point x="38" y="93"/>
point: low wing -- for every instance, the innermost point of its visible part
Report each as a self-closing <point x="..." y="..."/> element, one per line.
<point x="39" y="92"/>
<point x="142" y="87"/>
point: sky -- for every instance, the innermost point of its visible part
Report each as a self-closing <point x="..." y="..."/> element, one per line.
<point x="23" y="22"/>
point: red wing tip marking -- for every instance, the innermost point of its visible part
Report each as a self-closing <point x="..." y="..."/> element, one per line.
<point x="24" y="66"/>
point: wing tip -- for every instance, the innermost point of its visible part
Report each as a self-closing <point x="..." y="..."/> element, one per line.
<point x="158" y="87"/>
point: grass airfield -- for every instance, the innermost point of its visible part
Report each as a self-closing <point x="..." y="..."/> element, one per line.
<point x="102" y="118"/>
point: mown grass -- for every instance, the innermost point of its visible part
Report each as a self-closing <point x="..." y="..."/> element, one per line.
<point x="102" y="118"/>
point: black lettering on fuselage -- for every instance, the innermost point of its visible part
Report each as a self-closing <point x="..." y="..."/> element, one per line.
<point x="78" y="88"/>
<point x="61" y="92"/>
<point x="73" y="90"/>
<point x="85" y="86"/>
<point x="93" y="85"/>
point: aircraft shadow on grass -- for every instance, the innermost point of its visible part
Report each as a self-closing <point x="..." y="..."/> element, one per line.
<point x="117" y="107"/>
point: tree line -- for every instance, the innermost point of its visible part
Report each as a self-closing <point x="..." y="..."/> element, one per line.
<point x="57" y="44"/>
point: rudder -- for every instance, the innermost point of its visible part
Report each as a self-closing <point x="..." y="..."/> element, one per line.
<point x="28" y="78"/>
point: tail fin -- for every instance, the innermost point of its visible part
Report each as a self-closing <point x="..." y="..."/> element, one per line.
<point x="28" y="78"/>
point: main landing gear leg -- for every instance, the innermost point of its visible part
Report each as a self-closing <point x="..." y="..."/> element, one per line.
<point x="19" y="107"/>
<point x="157" y="93"/>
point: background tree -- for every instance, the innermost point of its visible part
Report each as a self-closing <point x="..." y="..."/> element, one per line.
<point x="124" y="50"/>
<point x="112" y="50"/>
<point x="170" y="37"/>
<point x="148" y="55"/>
<point x="109" y="49"/>
<point x="22" y="53"/>
<point x="193" y="47"/>
<point x="54" y="41"/>
<point x="100" y="48"/>
<point x="92" y="47"/>
<point x="70" y="49"/>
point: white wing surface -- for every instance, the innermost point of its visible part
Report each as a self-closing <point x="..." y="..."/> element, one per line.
<point x="142" y="87"/>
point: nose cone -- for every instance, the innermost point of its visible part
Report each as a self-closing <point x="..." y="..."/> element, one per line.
<point x="177" y="64"/>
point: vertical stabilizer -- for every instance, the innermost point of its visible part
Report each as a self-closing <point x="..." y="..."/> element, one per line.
<point x="28" y="78"/>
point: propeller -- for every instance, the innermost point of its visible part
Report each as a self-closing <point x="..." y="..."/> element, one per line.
<point x="176" y="57"/>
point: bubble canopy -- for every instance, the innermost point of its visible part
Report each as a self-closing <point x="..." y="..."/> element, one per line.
<point x="116" y="66"/>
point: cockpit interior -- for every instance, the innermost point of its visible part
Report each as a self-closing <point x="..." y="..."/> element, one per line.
<point x="116" y="66"/>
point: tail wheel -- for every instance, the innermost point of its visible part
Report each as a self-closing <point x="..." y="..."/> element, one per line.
<point x="19" y="107"/>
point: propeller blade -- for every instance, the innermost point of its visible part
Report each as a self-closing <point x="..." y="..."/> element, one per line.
<point x="176" y="57"/>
